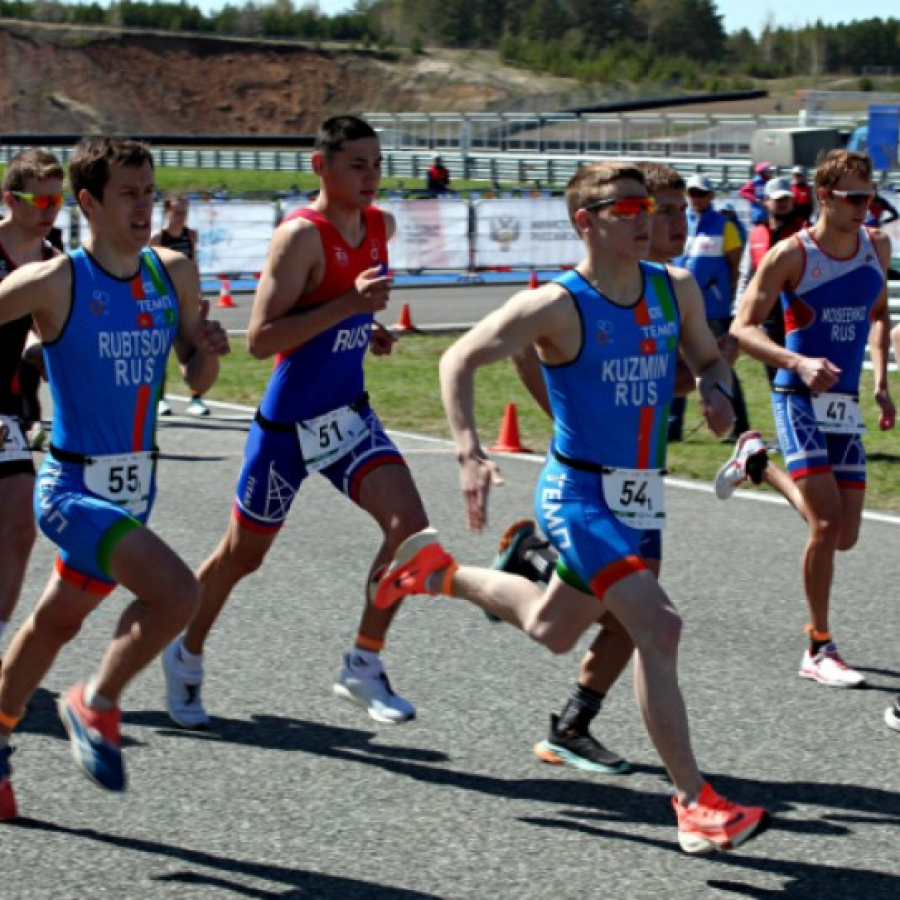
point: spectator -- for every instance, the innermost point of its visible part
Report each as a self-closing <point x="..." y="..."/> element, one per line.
<point x="881" y="212"/>
<point x="802" y="193"/>
<point x="713" y="256"/>
<point x="754" y="189"/>
<point x="437" y="178"/>
<point x="727" y="209"/>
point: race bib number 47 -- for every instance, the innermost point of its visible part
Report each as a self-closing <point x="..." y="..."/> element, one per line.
<point x="838" y="414"/>
<point x="636" y="497"/>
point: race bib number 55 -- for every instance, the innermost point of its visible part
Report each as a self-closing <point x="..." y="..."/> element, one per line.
<point x="125" y="479"/>
<point x="636" y="497"/>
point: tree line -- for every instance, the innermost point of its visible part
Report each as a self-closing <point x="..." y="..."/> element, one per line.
<point x="681" y="41"/>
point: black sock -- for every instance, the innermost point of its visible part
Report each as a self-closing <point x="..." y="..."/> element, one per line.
<point x="816" y="646"/>
<point x="580" y="709"/>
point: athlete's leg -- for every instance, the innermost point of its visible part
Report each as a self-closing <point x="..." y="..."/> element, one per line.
<point x="166" y="596"/>
<point x="56" y="619"/>
<point x="389" y="494"/>
<point x="240" y="553"/>
<point x="17" y="536"/>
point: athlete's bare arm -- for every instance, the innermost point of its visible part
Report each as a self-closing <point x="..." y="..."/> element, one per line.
<point x="199" y="342"/>
<point x="779" y="270"/>
<point x="294" y="267"/>
<point x="880" y="338"/>
<point x="700" y="350"/>
<point x="43" y="291"/>
<point x="544" y="317"/>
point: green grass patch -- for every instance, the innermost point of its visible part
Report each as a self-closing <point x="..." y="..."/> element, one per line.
<point x="404" y="390"/>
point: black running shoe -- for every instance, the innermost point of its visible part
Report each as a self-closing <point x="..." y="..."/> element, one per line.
<point x="581" y="750"/>
<point x="522" y="552"/>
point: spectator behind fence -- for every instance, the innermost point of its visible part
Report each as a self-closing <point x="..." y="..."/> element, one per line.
<point x="801" y="190"/>
<point x="437" y="178"/>
<point x="754" y="191"/>
<point x="880" y="212"/>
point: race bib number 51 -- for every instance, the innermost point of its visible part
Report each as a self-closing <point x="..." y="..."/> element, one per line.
<point x="325" y="439"/>
<point x="636" y="497"/>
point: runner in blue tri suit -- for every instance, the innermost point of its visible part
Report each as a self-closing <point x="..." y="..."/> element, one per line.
<point x="324" y="279"/>
<point x="831" y="282"/>
<point x="608" y="335"/>
<point x="108" y="315"/>
<point x="32" y="191"/>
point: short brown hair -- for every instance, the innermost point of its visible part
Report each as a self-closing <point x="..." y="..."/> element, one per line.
<point x="94" y="157"/>
<point x="661" y="178"/>
<point x="588" y="182"/>
<point x="31" y="163"/>
<point x="837" y="163"/>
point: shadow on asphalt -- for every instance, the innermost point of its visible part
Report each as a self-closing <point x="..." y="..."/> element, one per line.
<point x="300" y="883"/>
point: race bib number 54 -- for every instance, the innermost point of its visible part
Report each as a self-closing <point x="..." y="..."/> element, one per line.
<point x="636" y="497"/>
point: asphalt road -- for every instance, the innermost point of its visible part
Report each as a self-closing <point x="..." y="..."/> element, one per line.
<point x="296" y="794"/>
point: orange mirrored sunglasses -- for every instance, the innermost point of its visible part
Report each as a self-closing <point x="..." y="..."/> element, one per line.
<point x="624" y="207"/>
<point x="39" y="201"/>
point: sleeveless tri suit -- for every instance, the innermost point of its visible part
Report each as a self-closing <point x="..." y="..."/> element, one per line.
<point x="828" y="314"/>
<point x="105" y="371"/>
<point x="599" y="496"/>
<point x="315" y="415"/>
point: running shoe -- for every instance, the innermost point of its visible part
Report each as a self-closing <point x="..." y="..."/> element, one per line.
<point x="8" y="808"/>
<point x="580" y="750"/>
<point x="748" y="460"/>
<point x="416" y="558"/>
<point x="197" y="407"/>
<point x="183" y="685"/>
<point x="713" y="823"/>
<point x="164" y="408"/>
<point x="96" y="741"/>
<point x="522" y="552"/>
<point x="366" y="684"/>
<point x="828" y="668"/>
<point x="892" y="715"/>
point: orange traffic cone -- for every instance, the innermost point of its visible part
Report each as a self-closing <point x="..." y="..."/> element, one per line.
<point x="404" y="323"/>
<point x="225" y="301"/>
<point x="508" y="440"/>
<point x="532" y="280"/>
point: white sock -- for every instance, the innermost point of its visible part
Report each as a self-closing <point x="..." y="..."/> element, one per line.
<point x="94" y="700"/>
<point x="190" y="661"/>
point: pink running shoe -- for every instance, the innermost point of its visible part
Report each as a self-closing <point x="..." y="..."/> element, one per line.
<point x="748" y="460"/>
<point x="714" y="823"/>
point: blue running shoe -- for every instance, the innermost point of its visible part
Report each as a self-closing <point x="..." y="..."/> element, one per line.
<point x="95" y="737"/>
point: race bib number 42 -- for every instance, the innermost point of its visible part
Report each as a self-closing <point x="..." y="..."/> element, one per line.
<point x="325" y="439"/>
<point x="838" y="414"/>
<point x="125" y="479"/>
<point x="636" y="497"/>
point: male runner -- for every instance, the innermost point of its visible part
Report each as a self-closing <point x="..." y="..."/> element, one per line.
<point x="608" y="335"/>
<point x="830" y="281"/>
<point x="523" y="552"/>
<point x="32" y="190"/>
<point x="322" y="283"/>
<point x="108" y="315"/>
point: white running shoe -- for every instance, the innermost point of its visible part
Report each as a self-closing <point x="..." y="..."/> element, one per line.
<point x="367" y="685"/>
<point x="828" y="668"/>
<point x="196" y="408"/>
<point x="892" y="716"/>
<point x="183" y="701"/>
<point x="163" y="408"/>
<point x="749" y="451"/>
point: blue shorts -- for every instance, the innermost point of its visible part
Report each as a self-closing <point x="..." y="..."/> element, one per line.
<point x="85" y="527"/>
<point x="810" y="451"/>
<point x="274" y="469"/>
<point x="592" y="543"/>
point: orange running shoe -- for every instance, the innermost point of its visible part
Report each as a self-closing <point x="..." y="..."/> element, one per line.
<point x="714" y="823"/>
<point x="419" y="556"/>
<point x="8" y="810"/>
